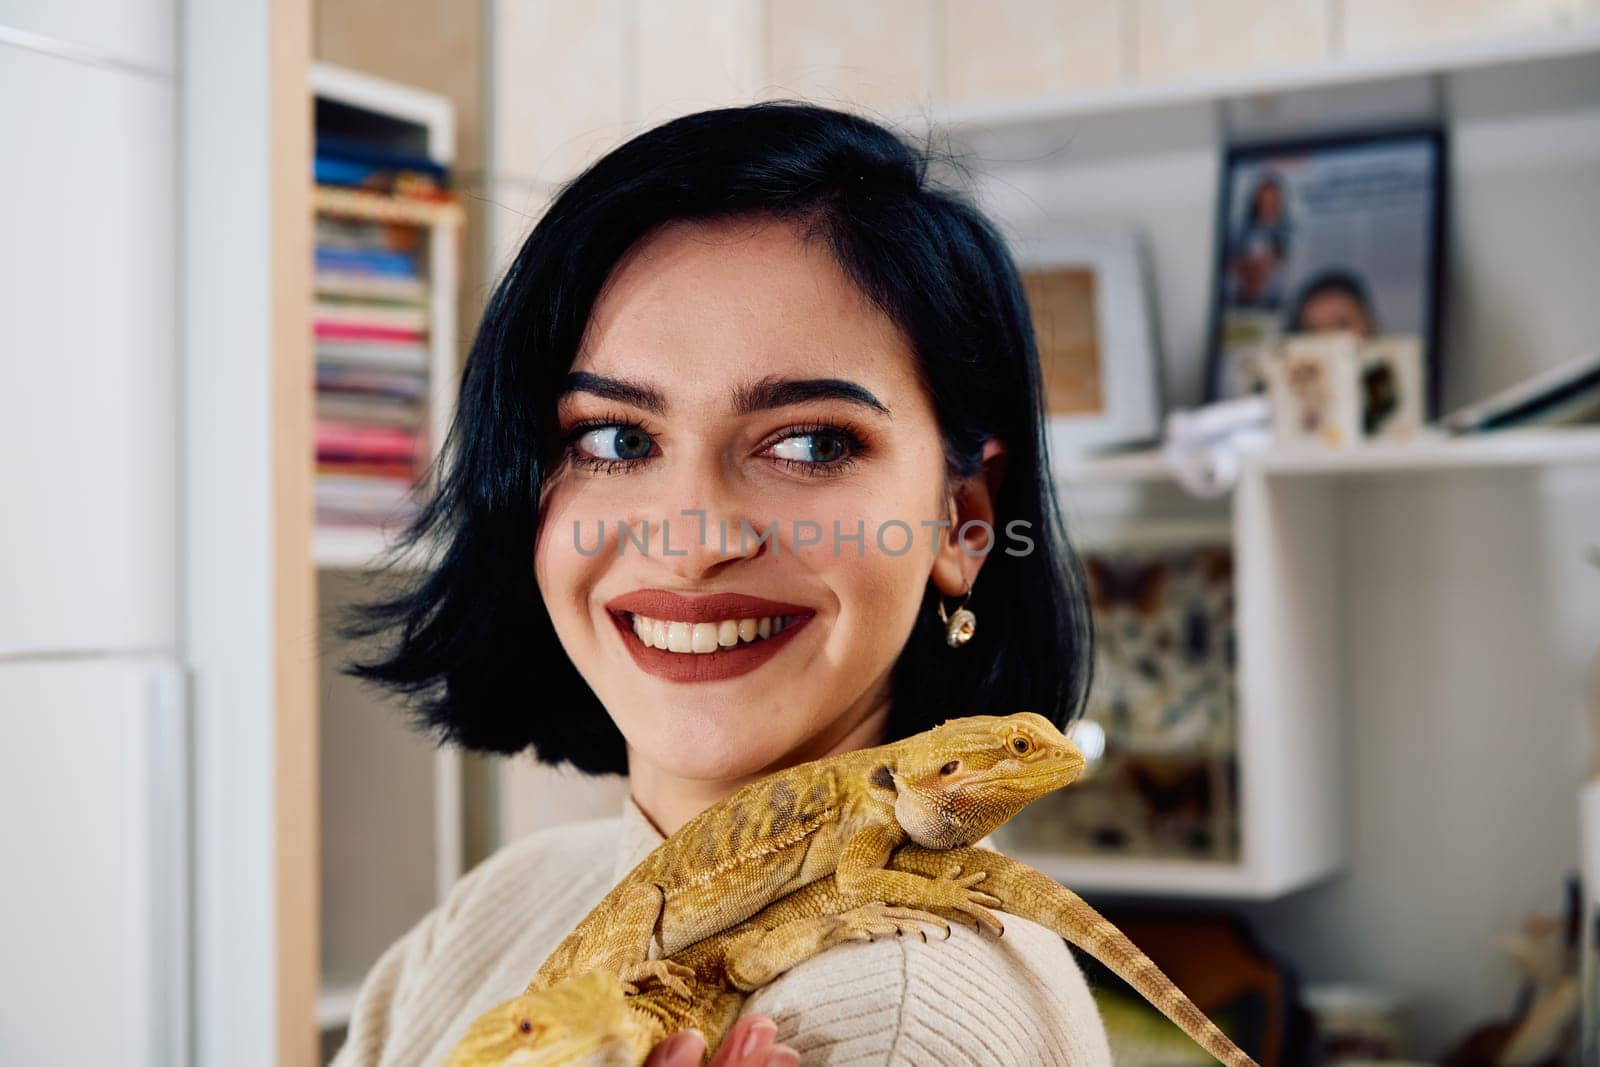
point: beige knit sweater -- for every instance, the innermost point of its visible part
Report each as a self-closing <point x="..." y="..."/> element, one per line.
<point x="1018" y="1000"/>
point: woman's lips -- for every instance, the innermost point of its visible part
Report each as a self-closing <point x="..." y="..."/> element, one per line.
<point x="662" y="604"/>
<point x="725" y="661"/>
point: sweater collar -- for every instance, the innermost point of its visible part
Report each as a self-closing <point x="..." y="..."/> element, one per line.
<point x="636" y="839"/>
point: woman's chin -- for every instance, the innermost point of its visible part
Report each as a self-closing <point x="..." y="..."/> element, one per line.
<point x="721" y="754"/>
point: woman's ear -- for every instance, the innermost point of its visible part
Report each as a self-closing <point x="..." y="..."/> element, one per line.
<point x="956" y="565"/>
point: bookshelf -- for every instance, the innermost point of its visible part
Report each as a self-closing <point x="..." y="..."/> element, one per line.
<point x="404" y="120"/>
<point x="391" y="810"/>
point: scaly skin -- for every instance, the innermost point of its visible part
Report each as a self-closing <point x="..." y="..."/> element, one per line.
<point x="842" y="815"/>
<point x="588" y="1019"/>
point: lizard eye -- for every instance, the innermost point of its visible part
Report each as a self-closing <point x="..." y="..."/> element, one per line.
<point x="525" y="1026"/>
<point x="1020" y="745"/>
<point x="951" y="767"/>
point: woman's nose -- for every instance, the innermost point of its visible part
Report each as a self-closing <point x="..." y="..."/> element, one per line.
<point x="705" y="525"/>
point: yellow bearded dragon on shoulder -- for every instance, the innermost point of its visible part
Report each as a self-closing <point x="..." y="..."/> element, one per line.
<point x="843" y="816"/>
<point x="588" y="1019"/>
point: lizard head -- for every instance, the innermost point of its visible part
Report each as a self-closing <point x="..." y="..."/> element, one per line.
<point x="963" y="779"/>
<point x="582" y="1020"/>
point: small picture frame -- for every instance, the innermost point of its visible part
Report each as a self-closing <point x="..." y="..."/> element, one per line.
<point x="1314" y="382"/>
<point x="1321" y="236"/>
<point x="1393" y="389"/>
<point x="1090" y="300"/>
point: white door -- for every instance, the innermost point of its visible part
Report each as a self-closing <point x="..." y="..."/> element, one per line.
<point x="92" y="832"/>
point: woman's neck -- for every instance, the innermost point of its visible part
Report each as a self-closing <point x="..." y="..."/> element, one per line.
<point x="669" y="801"/>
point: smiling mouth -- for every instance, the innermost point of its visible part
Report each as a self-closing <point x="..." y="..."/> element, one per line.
<point x="680" y="651"/>
<point x="704" y="638"/>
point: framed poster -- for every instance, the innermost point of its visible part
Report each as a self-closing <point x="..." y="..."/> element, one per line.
<point x="1335" y="235"/>
<point x="1088" y="294"/>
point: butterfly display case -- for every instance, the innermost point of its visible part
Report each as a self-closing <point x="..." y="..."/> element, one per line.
<point x="1162" y="715"/>
<point x="1211" y="721"/>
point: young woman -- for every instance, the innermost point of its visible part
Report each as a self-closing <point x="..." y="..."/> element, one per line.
<point x="755" y="408"/>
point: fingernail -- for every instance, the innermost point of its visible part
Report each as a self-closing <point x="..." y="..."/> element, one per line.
<point x="684" y="1048"/>
<point x="762" y="1033"/>
<point x="783" y="1056"/>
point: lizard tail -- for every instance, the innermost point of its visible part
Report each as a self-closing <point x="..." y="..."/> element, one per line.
<point x="1056" y="906"/>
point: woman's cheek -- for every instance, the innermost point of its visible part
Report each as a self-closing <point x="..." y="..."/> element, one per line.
<point x="569" y="553"/>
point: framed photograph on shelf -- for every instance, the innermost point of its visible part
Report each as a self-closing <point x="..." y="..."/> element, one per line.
<point x="1341" y="234"/>
<point x="1163" y="708"/>
<point x="1088" y="293"/>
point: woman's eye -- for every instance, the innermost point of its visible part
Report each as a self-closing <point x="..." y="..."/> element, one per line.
<point x="615" y="442"/>
<point x="814" y="447"/>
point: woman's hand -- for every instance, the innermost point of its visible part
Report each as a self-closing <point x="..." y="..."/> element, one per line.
<point x="750" y="1043"/>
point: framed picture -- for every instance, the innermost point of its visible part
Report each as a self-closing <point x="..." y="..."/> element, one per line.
<point x="1092" y="319"/>
<point x="1342" y="234"/>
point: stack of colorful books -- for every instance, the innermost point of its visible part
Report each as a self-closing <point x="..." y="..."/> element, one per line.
<point x="371" y="325"/>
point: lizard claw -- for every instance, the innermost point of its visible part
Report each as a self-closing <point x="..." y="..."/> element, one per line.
<point x="665" y="972"/>
<point x="871" y="921"/>
<point x="952" y="892"/>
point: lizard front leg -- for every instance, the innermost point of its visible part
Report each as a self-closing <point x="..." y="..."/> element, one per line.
<point x="758" y="956"/>
<point x="627" y="954"/>
<point x="863" y="878"/>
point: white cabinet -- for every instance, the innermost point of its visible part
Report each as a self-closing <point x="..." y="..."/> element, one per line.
<point x="1412" y="621"/>
<point x="93" y="839"/>
<point x="88" y="411"/>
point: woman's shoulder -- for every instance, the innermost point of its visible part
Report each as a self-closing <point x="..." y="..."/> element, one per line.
<point x="1019" y="998"/>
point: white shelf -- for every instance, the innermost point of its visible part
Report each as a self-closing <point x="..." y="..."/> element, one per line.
<point x="346" y="549"/>
<point x="1507" y="448"/>
<point x="353" y="549"/>
<point x="1153" y="878"/>
<point x="334" y="1005"/>
<point x="1331" y="547"/>
<point x="1500" y="50"/>
<point x="1149" y="465"/>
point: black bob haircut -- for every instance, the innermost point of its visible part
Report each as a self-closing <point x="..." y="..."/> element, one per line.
<point x="474" y="645"/>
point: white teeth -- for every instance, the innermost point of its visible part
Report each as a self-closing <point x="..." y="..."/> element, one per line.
<point x="703" y="637"/>
<point x="678" y="639"/>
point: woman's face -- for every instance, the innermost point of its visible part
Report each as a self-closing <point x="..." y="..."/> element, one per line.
<point x="730" y="368"/>
<point x="1269" y="203"/>
<point x="1335" y="311"/>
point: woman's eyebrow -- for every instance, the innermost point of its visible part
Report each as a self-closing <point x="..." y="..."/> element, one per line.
<point x="779" y="392"/>
<point x="618" y="389"/>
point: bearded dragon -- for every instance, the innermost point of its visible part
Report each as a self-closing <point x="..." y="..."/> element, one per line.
<point x="842" y="815"/>
<point x="588" y="1018"/>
